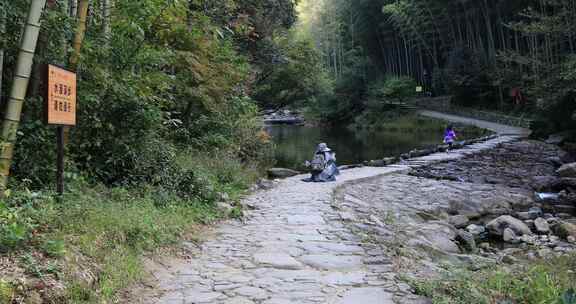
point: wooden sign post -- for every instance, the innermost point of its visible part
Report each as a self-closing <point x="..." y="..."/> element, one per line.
<point x="60" y="111"/>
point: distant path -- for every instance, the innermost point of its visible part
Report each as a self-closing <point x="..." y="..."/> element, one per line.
<point x="295" y="248"/>
<point x="495" y="127"/>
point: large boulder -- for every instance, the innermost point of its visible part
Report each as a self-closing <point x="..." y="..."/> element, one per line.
<point x="531" y="214"/>
<point x="567" y="170"/>
<point x="498" y="225"/>
<point x="541" y="225"/>
<point x="509" y="236"/>
<point x="565" y="230"/>
<point x="440" y="237"/>
<point x="281" y="173"/>
<point x="466" y="240"/>
<point x="458" y="221"/>
<point x="476" y="230"/>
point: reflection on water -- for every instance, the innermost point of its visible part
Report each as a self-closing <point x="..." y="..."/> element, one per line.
<point x="295" y="144"/>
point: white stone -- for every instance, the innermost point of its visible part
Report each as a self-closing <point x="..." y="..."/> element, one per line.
<point x="498" y="225"/>
<point x="277" y="260"/>
<point x="367" y="296"/>
<point x="332" y="262"/>
<point x="252" y="292"/>
<point x="509" y="236"/>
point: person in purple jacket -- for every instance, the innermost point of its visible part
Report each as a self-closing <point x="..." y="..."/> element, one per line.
<point x="449" y="136"/>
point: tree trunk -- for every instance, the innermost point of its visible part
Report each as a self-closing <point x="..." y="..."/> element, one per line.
<point x="106" y="22"/>
<point x="78" y="38"/>
<point x="63" y="39"/>
<point x="2" y="30"/>
<point x="73" y="8"/>
<point x="80" y="32"/>
<point x="491" y="48"/>
<point x="19" y="87"/>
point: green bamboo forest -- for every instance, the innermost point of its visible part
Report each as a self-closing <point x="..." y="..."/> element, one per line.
<point x="171" y="96"/>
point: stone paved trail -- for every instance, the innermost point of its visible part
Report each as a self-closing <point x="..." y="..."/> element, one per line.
<point x="292" y="248"/>
<point x="496" y="127"/>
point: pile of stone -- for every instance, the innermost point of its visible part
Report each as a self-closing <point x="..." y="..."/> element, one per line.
<point x="518" y="165"/>
<point x="540" y="234"/>
<point x="425" y="152"/>
<point x="283" y="117"/>
<point x="564" y="184"/>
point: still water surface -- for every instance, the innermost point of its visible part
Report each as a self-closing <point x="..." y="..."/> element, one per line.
<point x="295" y="144"/>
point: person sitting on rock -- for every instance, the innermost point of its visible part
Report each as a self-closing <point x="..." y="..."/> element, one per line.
<point x="323" y="165"/>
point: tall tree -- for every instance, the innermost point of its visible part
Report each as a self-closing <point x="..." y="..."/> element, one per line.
<point x="19" y="87"/>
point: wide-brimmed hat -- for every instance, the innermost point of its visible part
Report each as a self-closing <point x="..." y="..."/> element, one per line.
<point x="323" y="147"/>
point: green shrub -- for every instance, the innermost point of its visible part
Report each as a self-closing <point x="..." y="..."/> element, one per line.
<point x="54" y="248"/>
<point x="392" y="89"/>
<point x="551" y="281"/>
<point x="15" y="228"/>
<point x="6" y="292"/>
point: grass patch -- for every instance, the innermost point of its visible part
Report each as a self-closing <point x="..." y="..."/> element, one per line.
<point x="550" y="281"/>
<point x="417" y="123"/>
<point x="92" y="239"/>
<point x="413" y="123"/>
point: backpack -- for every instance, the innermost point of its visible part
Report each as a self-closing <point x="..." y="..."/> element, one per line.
<point x="318" y="163"/>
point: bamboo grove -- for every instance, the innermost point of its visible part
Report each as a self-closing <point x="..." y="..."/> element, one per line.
<point x="476" y="50"/>
<point x="155" y="77"/>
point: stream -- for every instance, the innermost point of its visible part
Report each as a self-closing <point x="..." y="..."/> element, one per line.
<point x="295" y="144"/>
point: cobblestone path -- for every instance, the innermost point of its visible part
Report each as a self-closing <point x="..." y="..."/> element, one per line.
<point x="292" y="248"/>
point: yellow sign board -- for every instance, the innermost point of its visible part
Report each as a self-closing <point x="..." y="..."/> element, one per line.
<point x="419" y="89"/>
<point x="61" y="97"/>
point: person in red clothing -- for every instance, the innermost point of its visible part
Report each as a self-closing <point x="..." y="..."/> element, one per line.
<point x="516" y="95"/>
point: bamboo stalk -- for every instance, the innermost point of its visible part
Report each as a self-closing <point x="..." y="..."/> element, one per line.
<point x="2" y="30"/>
<point x="106" y="22"/>
<point x="19" y="87"/>
<point x="73" y="8"/>
<point x="80" y="32"/>
<point x="63" y="39"/>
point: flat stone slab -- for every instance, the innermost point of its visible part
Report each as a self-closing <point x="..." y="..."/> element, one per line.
<point x="194" y="297"/>
<point x="332" y="262"/>
<point x="344" y="279"/>
<point x="366" y="296"/>
<point x="278" y="301"/>
<point x="252" y="292"/>
<point x="277" y="260"/>
<point x="305" y="219"/>
<point x="237" y="300"/>
<point x="332" y="248"/>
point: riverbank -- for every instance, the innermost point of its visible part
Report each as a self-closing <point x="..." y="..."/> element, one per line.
<point x="476" y="213"/>
<point x="292" y="247"/>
